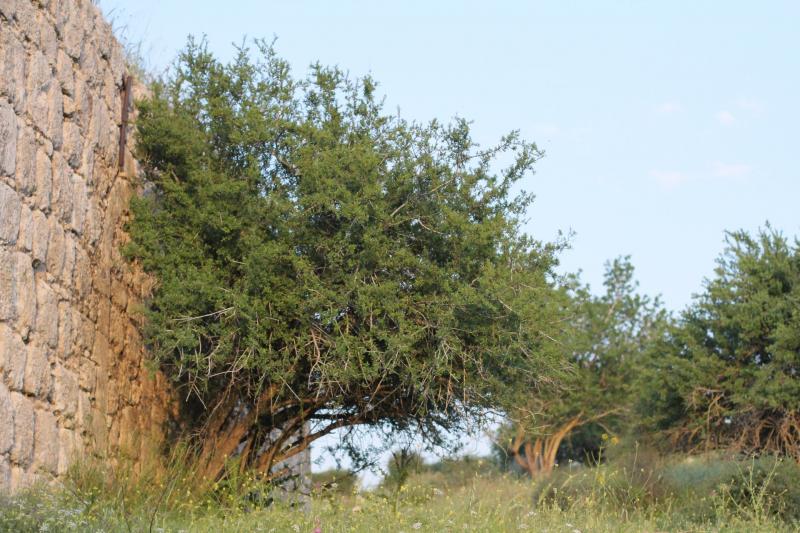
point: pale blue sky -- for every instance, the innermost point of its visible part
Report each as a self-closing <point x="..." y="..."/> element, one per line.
<point x="664" y="123"/>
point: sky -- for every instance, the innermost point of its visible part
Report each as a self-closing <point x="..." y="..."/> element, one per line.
<point x="664" y="123"/>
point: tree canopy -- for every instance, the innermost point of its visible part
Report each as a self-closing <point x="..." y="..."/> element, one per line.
<point x="321" y="263"/>
<point x="604" y="341"/>
<point x="726" y="375"/>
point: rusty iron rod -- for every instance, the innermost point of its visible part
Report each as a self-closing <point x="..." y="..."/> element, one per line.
<point x="123" y="125"/>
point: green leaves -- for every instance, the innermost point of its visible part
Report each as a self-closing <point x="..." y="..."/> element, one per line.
<point x="372" y="268"/>
<point x="728" y="372"/>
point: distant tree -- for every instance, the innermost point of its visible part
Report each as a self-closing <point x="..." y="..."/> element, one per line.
<point x="728" y="374"/>
<point x="322" y="264"/>
<point x="605" y="339"/>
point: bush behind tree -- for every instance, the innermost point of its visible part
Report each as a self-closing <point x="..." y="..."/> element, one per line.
<point x="606" y="338"/>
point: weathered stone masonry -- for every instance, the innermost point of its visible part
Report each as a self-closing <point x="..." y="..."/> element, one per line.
<point x="74" y="380"/>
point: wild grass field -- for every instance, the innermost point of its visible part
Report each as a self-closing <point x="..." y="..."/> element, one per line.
<point x="631" y="494"/>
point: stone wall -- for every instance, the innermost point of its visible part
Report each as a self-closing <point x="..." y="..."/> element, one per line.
<point x="74" y="380"/>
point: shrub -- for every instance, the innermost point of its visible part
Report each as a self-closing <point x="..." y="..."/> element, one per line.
<point x="334" y="481"/>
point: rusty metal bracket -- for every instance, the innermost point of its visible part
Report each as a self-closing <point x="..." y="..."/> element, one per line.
<point x="127" y="90"/>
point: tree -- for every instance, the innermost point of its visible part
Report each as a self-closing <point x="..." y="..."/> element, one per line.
<point x="726" y="376"/>
<point x="606" y="337"/>
<point x="322" y="264"/>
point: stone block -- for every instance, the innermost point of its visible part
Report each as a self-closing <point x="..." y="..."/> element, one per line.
<point x="119" y="294"/>
<point x="12" y="70"/>
<point x="40" y="79"/>
<point x="38" y="380"/>
<point x="23" y="294"/>
<point x="69" y="107"/>
<point x="104" y="37"/>
<point x="62" y="188"/>
<point x="70" y="245"/>
<point x="87" y="378"/>
<point x="103" y="132"/>
<point x="25" y="238"/>
<point x="16" y="281"/>
<point x="113" y="399"/>
<point x="55" y="115"/>
<point x="65" y="74"/>
<point x="116" y="334"/>
<point x="111" y="93"/>
<point x="94" y="223"/>
<point x="45" y="448"/>
<point x="55" y="247"/>
<point x="66" y="331"/>
<point x="44" y="181"/>
<point x="24" y="424"/>
<point x="118" y="63"/>
<point x="10" y="206"/>
<point x="73" y="144"/>
<point x="86" y="335"/>
<point x="79" y="202"/>
<point x="7" y="307"/>
<point x="41" y="238"/>
<point x="44" y="99"/>
<point x="65" y="392"/>
<point x="129" y="433"/>
<point x="82" y="112"/>
<point x="8" y="8"/>
<point x="69" y="27"/>
<point x="13" y="355"/>
<point x="47" y="316"/>
<point x="8" y="139"/>
<point x="6" y="421"/>
<point x="101" y="354"/>
<point x="91" y="64"/>
<point x="98" y="429"/>
<point x="48" y="40"/>
<point x="104" y="316"/>
<point x="68" y="449"/>
<point x="5" y="472"/>
<point x="26" y="18"/>
<point x="82" y="280"/>
<point x="25" y="175"/>
<point x="84" y="419"/>
<point x="21" y="478"/>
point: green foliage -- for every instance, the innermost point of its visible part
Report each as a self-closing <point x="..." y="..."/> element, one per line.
<point x="368" y="269"/>
<point x="754" y="487"/>
<point x="401" y="465"/>
<point x="700" y="488"/>
<point x="609" y="334"/>
<point x="334" y="481"/>
<point x="457" y="472"/>
<point x="727" y="374"/>
<point x="605" y="340"/>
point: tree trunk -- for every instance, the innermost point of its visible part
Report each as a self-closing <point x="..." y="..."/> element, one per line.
<point x="539" y="458"/>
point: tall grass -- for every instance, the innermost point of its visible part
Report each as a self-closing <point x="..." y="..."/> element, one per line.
<point x="635" y="493"/>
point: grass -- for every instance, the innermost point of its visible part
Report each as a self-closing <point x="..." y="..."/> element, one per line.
<point x="676" y="495"/>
